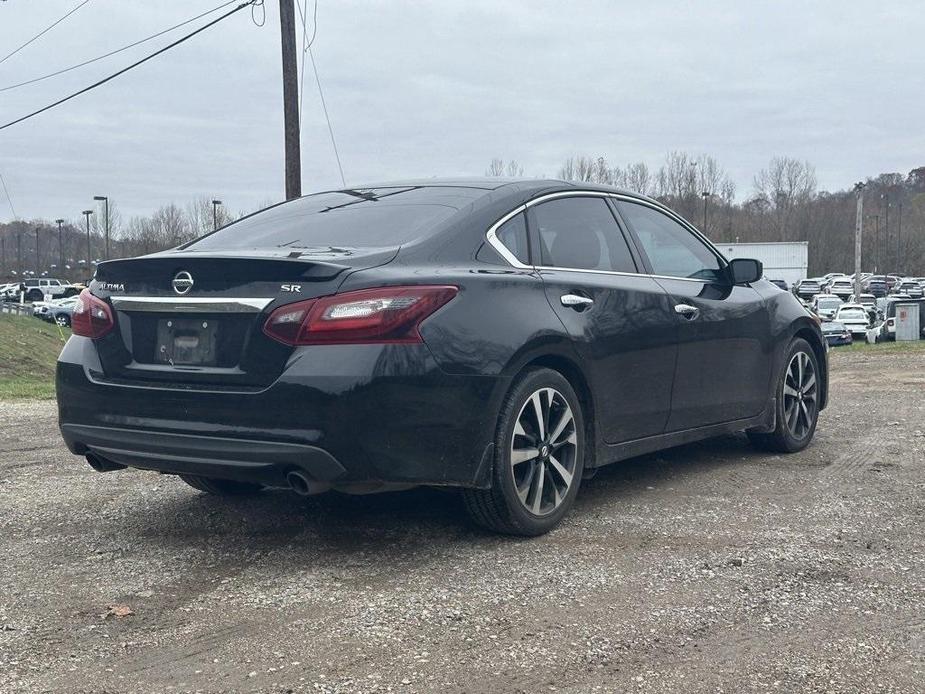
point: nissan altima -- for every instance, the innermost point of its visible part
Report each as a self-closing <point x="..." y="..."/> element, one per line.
<point x="506" y="338"/>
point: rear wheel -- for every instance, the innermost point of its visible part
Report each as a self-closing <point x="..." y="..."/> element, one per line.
<point x="63" y="320"/>
<point x="220" y="487"/>
<point x="539" y="458"/>
<point x="35" y="295"/>
<point x="797" y="402"/>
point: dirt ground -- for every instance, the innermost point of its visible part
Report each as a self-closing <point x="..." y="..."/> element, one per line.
<point x="706" y="568"/>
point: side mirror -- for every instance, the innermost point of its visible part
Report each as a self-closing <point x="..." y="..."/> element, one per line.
<point x="745" y="270"/>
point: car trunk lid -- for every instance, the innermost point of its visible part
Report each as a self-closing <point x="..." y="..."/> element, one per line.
<point x="195" y="319"/>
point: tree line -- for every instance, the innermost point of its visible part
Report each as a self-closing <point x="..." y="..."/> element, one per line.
<point x="783" y="203"/>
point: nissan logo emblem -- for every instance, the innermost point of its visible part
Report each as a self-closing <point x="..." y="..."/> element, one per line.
<point x="182" y="282"/>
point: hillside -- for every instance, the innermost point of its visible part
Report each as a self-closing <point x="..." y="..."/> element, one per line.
<point x="29" y="349"/>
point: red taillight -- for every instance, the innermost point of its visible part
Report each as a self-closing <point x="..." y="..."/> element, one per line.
<point x="92" y="317"/>
<point x="383" y="315"/>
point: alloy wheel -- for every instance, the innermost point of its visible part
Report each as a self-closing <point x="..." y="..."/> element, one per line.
<point x="544" y="451"/>
<point x="800" y="395"/>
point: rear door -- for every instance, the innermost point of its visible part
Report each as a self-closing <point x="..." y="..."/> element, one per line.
<point x="620" y="320"/>
<point x="724" y="344"/>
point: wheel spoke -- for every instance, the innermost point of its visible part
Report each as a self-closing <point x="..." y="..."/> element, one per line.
<point x="792" y="414"/>
<point x="564" y="474"/>
<point x="810" y="382"/>
<point x="564" y="420"/>
<point x="523" y="489"/>
<point x="539" y="476"/>
<point x="522" y="455"/>
<point x="572" y="439"/>
<point x="538" y="413"/>
<point x="789" y="391"/>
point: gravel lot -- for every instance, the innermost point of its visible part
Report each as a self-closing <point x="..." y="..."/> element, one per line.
<point x="705" y="568"/>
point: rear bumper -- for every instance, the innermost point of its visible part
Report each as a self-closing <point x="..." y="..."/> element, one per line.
<point x="344" y="416"/>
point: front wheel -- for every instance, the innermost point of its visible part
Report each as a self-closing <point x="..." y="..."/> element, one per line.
<point x="539" y="458"/>
<point x="797" y="402"/>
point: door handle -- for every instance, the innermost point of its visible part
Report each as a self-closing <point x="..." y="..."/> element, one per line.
<point x="687" y="311"/>
<point x="575" y="301"/>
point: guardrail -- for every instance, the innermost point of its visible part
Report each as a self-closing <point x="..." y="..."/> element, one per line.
<point x="15" y="309"/>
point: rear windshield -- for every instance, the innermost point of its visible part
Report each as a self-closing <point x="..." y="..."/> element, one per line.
<point x="828" y="303"/>
<point x="368" y="217"/>
<point x="852" y="313"/>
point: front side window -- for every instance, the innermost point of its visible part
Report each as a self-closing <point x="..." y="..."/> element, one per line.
<point x="673" y="251"/>
<point x="581" y="233"/>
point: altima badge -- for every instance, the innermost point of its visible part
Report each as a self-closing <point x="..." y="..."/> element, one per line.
<point x="182" y="282"/>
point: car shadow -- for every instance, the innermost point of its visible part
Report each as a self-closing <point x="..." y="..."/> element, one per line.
<point x="411" y="519"/>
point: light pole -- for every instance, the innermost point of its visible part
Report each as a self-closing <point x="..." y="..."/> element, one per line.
<point x="104" y="199"/>
<point x="876" y="218"/>
<point x="215" y="204"/>
<point x="38" y="260"/>
<point x="59" y="222"/>
<point x="87" y="213"/>
<point x="885" y="205"/>
<point x="899" y="233"/>
<point x="706" y="195"/>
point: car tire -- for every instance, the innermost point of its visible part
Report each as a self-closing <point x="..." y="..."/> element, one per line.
<point x="519" y="502"/>
<point x="64" y="321"/>
<point x="34" y="295"/>
<point x="797" y="391"/>
<point x="221" y="487"/>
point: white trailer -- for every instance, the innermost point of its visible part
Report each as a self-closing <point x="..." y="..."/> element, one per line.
<point x="786" y="260"/>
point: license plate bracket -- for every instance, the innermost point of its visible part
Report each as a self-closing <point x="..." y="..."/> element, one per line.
<point x="187" y="341"/>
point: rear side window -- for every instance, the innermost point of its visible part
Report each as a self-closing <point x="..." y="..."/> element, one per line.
<point x="368" y="217"/>
<point x="672" y="249"/>
<point x="513" y="234"/>
<point x="581" y="233"/>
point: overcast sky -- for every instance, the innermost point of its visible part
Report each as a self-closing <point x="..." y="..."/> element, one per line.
<point x="419" y="89"/>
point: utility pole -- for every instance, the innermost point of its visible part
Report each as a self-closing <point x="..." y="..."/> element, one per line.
<point x="38" y="258"/>
<point x="899" y="233"/>
<point x="59" y="222"/>
<point x="87" y="213"/>
<point x="19" y="253"/>
<point x="104" y="199"/>
<point x="290" y="99"/>
<point x="858" y="233"/>
<point x="885" y="197"/>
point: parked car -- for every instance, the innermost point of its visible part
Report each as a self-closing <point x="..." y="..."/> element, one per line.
<point x="825" y="305"/>
<point x="876" y="285"/>
<point x="500" y="337"/>
<point x="910" y="288"/>
<point x="836" y="333"/>
<point x="36" y="289"/>
<point x="807" y="288"/>
<point x="781" y="284"/>
<point x="60" y="310"/>
<point x="854" y="317"/>
<point x="841" y="287"/>
<point x="869" y="302"/>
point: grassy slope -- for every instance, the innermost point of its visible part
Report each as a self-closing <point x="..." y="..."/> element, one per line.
<point x="29" y="349"/>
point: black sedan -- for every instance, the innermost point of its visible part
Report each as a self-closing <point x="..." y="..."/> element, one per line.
<point x="505" y="338"/>
<point x="837" y="333"/>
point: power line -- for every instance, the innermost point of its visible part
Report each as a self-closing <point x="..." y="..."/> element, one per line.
<point x="133" y="65"/>
<point x="114" y="52"/>
<point x="43" y="32"/>
<point x="307" y="48"/>
<point x="8" y="198"/>
<point x="326" y="117"/>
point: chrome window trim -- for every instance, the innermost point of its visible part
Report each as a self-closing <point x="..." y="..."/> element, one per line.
<point x="169" y="304"/>
<point x="492" y="237"/>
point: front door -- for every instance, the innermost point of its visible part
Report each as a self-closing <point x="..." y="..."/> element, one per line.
<point x="620" y="321"/>
<point x="724" y="347"/>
